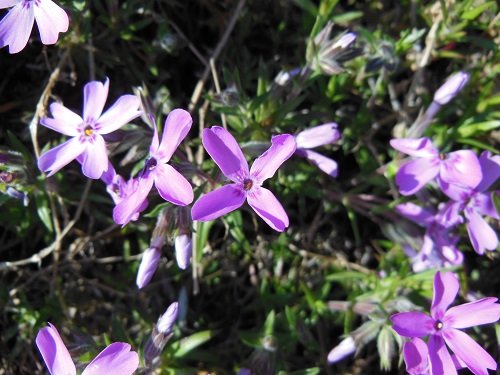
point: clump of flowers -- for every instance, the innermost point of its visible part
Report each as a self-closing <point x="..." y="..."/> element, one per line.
<point x="443" y="328"/>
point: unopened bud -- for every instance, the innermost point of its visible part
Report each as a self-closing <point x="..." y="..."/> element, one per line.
<point x="167" y="320"/>
<point x="318" y="136"/>
<point x="453" y="85"/>
<point x="148" y="266"/>
<point x="342" y="350"/>
<point x="183" y="250"/>
<point x="161" y="334"/>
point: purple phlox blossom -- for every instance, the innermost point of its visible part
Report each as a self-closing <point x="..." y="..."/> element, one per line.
<point x="87" y="141"/>
<point x="439" y="246"/>
<point x="15" y="27"/>
<point x="475" y="202"/>
<point x="116" y="358"/>
<point x="315" y="137"/>
<point x="171" y="185"/>
<point x="118" y="188"/>
<point x="457" y="167"/>
<point x="444" y="324"/>
<point x="247" y="184"/>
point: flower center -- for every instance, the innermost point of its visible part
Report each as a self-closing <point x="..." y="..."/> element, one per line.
<point x="88" y="131"/>
<point x="438" y="325"/>
<point x="247" y="184"/>
<point x="150" y="164"/>
<point x="442" y="156"/>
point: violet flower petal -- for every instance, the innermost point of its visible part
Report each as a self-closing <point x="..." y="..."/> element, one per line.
<point x="456" y="192"/>
<point x="95" y="94"/>
<point x="61" y="155"/>
<point x="477" y="359"/>
<point x="267" y="206"/>
<point x="282" y="147"/>
<point x="483" y="204"/>
<point x="446" y="287"/>
<point x="482" y="311"/>
<point x="420" y="147"/>
<point x="415" y="213"/>
<point x="54" y="352"/>
<point x="318" y="136"/>
<point x="416" y="356"/>
<point x="172" y="186"/>
<point x="490" y="167"/>
<point x="15" y="28"/>
<point x="462" y="168"/>
<point x="148" y="266"/>
<point x="124" y="110"/>
<point x="155" y="142"/>
<point x="8" y="3"/>
<point x="116" y="358"/>
<point x="95" y="158"/>
<point x="481" y="235"/>
<point x="177" y="125"/>
<point x="64" y="120"/>
<point x="449" y="215"/>
<point x="412" y="176"/>
<point x="440" y="358"/>
<point x="218" y="202"/>
<point x="226" y="153"/>
<point x="130" y="205"/>
<point x="412" y="324"/>
<point x="327" y="165"/>
<point x="51" y="20"/>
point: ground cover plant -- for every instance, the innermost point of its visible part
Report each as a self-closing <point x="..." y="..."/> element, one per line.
<point x="249" y="187"/>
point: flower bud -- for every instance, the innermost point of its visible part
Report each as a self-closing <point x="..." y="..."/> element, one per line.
<point x="342" y="350"/>
<point x="161" y="334"/>
<point x="183" y="250"/>
<point x="318" y="136"/>
<point x="453" y="85"/>
<point x="149" y="264"/>
<point x="167" y="320"/>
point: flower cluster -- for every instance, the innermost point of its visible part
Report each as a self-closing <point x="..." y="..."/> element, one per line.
<point x="443" y="328"/>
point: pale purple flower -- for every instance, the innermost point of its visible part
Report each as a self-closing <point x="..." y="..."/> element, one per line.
<point x="458" y="167"/>
<point x="227" y="154"/>
<point x="183" y="250"/>
<point x="453" y="85"/>
<point x="114" y="359"/>
<point x="346" y="347"/>
<point x="171" y="185"/>
<point x="439" y="246"/>
<point x="444" y="324"/>
<point x="15" y="27"/>
<point x="315" y="137"/>
<point x="474" y="203"/>
<point x="147" y="268"/>
<point x="87" y="142"/>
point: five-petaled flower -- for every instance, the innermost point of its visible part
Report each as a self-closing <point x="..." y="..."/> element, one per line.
<point x="15" y="27"/>
<point x="227" y="154"/>
<point x="444" y="324"/>
<point x="87" y="143"/>
<point x="116" y="358"/>
<point x="458" y="167"/>
<point x="171" y="185"/>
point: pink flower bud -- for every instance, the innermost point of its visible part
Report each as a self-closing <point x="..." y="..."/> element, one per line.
<point x="453" y="85"/>
<point x="183" y="250"/>
<point x="148" y="266"/>
<point x="342" y="350"/>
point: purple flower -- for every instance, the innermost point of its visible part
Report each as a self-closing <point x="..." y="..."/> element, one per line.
<point x="114" y="359"/>
<point x="315" y="137"/>
<point x="458" y="167"/>
<point x="171" y="185"/>
<point x="443" y="327"/>
<point x="439" y="247"/>
<point x="15" y="27"/>
<point x="475" y="202"/>
<point x="87" y="142"/>
<point x="453" y="85"/>
<point x="227" y="154"/>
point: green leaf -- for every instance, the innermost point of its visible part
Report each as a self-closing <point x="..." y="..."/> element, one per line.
<point x="477" y="10"/>
<point x="471" y="130"/>
<point x="308" y="6"/>
<point x="189" y="343"/>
